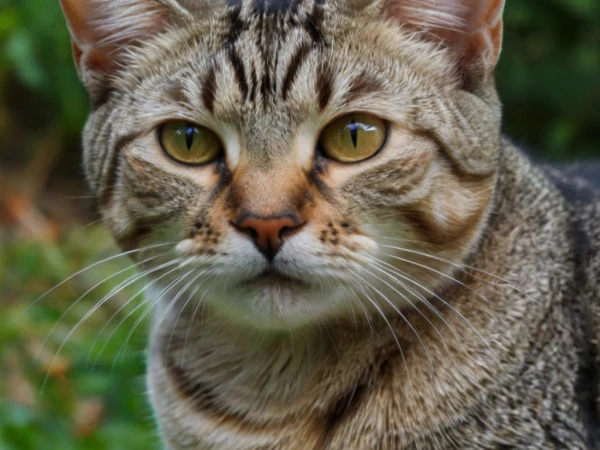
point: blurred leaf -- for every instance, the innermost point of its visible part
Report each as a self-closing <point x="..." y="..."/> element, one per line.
<point x="20" y="51"/>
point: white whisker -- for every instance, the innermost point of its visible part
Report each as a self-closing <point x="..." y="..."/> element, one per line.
<point x="156" y="299"/>
<point x="462" y="267"/>
<point x="189" y="298"/>
<point x="120" y="255"/>
<point x="388" y="301"/>
<point x="389" y="326"/>
<point x="421" y="298"/>
<point x="126" y="304"/>
<point x="76" y="302"/>
<point x="399" y="273"/>
<point x="87" y="316"/>
<point x="445" y="275"/>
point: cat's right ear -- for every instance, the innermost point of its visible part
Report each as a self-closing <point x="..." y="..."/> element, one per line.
<point x="472" y="29"/>
<point x="103" y="30"/>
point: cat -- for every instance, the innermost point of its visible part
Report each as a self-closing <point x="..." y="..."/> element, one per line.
<point x="344" y="251"/>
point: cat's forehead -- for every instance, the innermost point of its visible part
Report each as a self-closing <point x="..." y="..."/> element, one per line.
<point x="299" y="8"/>
<point x="275" y="52"/>
<point x="271" y="22"/>
<point x="276" y="6"/>
<point x="252" y="57"/>
<point x="267" y="67"/>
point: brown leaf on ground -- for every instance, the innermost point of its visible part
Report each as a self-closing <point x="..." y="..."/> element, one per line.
<point x="88" y="414"/>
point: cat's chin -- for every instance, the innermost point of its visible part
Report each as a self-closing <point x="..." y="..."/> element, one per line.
<point x="275" y="301"/>
<point x="272" y="281"/>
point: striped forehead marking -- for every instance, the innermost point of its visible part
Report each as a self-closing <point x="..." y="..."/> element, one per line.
<point x="260" y="75"/>
<point x="267" y="14"/>
<point x="275" y="6"/>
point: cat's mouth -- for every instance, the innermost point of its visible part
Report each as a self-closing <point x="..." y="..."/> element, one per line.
<point x="273" y="278"/>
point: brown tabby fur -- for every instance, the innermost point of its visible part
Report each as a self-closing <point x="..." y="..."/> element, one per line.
<point x="446" y="291"/>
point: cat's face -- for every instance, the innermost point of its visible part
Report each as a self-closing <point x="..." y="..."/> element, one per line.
<point x="285" y="149"/>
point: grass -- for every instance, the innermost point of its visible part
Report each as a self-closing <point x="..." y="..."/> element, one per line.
<point x="87" y="396"/>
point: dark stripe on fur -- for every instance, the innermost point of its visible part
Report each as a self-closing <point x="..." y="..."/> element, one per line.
<point x="100" y="98"/>
<point x="313" y="23"/>
<point x="361" y="86"/>
<point x="111" y="172"/>
<point x="225" y="178"/>
<point x="253" y="81"/>
<point x="344" y="407"/>
<point x="276" y="6"/>
<point x="319" y="169"/>
<point x="348" y="404"/>
<point x="209" y="89"/>
<point x="175" y="91"/>
<point x="140" y="231"/>
<point x="105" y="131"/>
<point x="236" y="24"/>
<point x="294" y="67"/>
<point x="267" y="87"/>
<point x="203" y="397"/>
<point x="240" y="72"/>
<point x="324" y="86"/>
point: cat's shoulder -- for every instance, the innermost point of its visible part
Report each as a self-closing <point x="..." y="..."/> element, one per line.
<point x="578" y="182"/>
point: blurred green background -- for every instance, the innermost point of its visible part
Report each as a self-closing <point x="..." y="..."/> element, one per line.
<point x="92" y="396"/>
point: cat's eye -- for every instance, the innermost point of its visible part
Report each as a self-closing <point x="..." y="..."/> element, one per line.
<point x="189" y="143"/>
<point x="354" y="138"/>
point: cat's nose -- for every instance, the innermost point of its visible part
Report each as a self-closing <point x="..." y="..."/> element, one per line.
<point x="268" y="233"/>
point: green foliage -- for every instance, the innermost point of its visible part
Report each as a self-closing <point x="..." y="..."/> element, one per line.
<point x="549" y="76"/>
<point x="91" y="396"/>
<point x="35" y="55"/>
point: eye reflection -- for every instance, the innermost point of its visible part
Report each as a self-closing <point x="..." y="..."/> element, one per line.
<point x="354" y="138"/>
<point x="189" y="144"/>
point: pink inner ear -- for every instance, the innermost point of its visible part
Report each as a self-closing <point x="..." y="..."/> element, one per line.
<point x="472" y="28"/>
<point x="435" y="14"/>
<point x="100" y="28"/>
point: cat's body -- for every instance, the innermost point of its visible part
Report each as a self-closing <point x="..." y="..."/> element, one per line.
<point x="347" y="387"/>
<point x="440" y="293"/>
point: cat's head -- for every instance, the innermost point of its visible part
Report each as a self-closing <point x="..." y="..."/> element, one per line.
<point x="302" y="156"/>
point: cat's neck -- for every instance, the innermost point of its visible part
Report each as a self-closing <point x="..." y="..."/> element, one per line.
<point x="265" y="370"/>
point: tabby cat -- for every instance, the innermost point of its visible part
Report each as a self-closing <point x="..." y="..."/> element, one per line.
<point x="343" y="251"/>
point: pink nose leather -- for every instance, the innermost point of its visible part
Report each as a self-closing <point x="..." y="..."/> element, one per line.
<point x="268" y="233"/>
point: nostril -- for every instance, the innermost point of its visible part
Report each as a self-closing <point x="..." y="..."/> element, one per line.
<point x="251" y="231"/>
<point x="287" y="231"/>
<point x="246" y="230"/>
<point x="284" y="231"/>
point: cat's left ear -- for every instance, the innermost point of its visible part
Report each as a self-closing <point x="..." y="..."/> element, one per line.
<point x="103" y="31"/>
<point x="472" y="29"/>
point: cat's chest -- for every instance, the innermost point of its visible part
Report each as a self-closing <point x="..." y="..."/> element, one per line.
<point x="299" y="397"/>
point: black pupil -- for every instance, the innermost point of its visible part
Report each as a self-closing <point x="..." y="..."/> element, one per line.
<point x="353" y="132"/>
<point x="189" y="136"/>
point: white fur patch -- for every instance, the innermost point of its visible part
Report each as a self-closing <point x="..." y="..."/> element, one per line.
<point x="440" y="14"/>
<point x="466" y="16"/>
<point x="125" y="20"/>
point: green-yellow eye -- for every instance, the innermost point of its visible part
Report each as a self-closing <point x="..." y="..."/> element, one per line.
<point x="189" y="144"/>
<point x="353" y="138"/>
